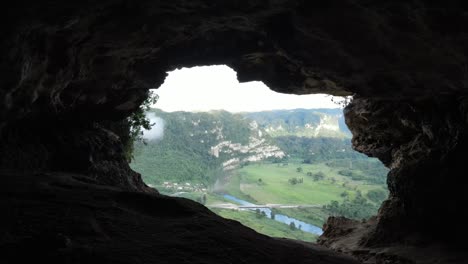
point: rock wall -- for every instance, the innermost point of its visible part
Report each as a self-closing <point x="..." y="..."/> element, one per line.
<point x="96" y="60"/>
<point x="422" y="142"/>
<point x="68" y="68"/>
<point x="36" y="145"/>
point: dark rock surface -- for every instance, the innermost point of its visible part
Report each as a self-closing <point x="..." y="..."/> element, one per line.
<point x="349" y="236"/>
<point x="96" y="59"/>
<point x="423" y="143"/>
<point x="89" y="148"/>
<point x="69" y="68"/>
<point x="66" y="218"/>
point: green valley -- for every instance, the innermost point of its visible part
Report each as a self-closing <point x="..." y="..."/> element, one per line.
<point x="276" y="171"/>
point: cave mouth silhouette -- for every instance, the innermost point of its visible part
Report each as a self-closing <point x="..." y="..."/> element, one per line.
<point x="73" y="71"/>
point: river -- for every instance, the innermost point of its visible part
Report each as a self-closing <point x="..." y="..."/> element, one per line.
<point x="279" y="217"/>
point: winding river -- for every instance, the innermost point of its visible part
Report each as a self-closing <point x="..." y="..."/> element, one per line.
<point x="279" y="217"/>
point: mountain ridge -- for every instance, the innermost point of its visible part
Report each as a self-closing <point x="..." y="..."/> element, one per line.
<point x="314" y="122"/>
<point x="203" y="145"/>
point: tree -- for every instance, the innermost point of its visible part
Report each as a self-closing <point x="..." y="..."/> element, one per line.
<point x="319" y="176"/>
<point x="309" y="174"/>
<point x="259" y="213"/>
<point x="377" y="196"/>
<point x="293" y="181"/>
<point x="357" y="209"/>
<point x="299" y="169"/>
<point x="136" y="123"/>
<point x="346" y="173"/>
<point x="292" y="226"/>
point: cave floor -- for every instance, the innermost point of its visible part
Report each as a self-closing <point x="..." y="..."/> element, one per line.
<point x="68" y="218"/>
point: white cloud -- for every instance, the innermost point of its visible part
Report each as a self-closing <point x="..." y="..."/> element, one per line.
<point x="157" y="130"/>
<point x="216" y="87"/>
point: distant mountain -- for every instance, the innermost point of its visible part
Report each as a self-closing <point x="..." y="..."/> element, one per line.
<point x="199" y="147"/>
<point x="313" y="123"/>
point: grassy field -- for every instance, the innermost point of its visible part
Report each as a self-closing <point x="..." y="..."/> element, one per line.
<point x="267" y="183"/>
<point x="275" y="188"/>
<point x="265" y="225"/>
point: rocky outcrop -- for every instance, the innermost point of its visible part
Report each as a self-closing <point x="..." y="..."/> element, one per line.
<point x="69" y="68"/>
<point x="303" y="122"/>
<point x="257" y="149"/>
<point x="68" y="145"/>
<point x="423" y="145"/>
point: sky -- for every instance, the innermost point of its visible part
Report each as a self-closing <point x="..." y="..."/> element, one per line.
<point x="216" y="87"/>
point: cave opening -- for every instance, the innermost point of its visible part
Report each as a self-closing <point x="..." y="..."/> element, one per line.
<point x="280" y="164"/>
<point x="72" y="72"/>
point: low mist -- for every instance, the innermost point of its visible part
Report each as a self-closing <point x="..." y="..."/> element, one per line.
<point x="157" y="130"/>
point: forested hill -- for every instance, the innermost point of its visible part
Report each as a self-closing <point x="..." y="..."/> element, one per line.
<point x="201" y="146"/>
<point x="198" y="146"/>
<point x="302" y="122"/>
